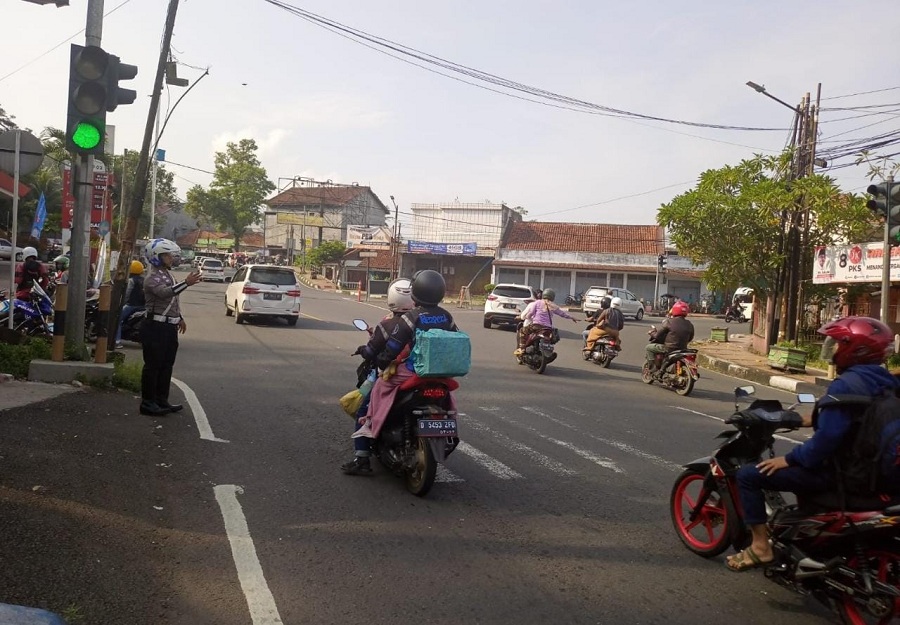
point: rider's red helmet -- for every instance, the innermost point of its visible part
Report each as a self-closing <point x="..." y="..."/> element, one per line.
<point x="680" y="309"/>
<point x="856" y="341"/>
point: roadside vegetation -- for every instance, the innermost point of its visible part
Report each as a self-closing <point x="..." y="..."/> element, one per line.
<point x="15" y="360"/>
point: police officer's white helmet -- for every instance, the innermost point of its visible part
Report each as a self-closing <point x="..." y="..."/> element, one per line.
<point x="157" y="247"/>
<point x="399" y="296"/>
<point x="616" y="302"/>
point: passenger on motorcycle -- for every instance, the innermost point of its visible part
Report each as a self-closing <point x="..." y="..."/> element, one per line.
<point x="857" y="346"/>
<point x="399" y="302"/>
<point x="134" y="297"/>
<point x="609" y="322"/>
<point x="427" y="291"/>
<point x="61" y="263"/>
<point x="674" y="334"/>
<point x="540" y="315"/>
<point x="29" y="271"/>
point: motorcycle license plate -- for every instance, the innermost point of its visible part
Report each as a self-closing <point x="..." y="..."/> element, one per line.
<point x="274" y="296"/>
<point x="437" y="427"/>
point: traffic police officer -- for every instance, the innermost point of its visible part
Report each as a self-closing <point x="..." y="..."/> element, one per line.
<point x="159" y="332"/>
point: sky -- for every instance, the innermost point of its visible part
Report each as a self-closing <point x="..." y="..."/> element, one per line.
<point x="323" y="106"/>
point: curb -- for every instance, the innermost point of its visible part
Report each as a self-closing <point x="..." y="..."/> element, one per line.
<point x="758" y="376"/>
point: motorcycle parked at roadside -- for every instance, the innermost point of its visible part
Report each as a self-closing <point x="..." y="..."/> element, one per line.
<point x="843" y="553"/>
<point x="676" y="370"/>
<point x="31" y="317"/>
<point x="538" y="351"/>
<point x="605" y="350"/>
<point x="131" y="327"/>
<point x="420" y="431"/>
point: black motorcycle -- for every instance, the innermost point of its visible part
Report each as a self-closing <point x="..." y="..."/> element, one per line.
<point x="538" y="351"/>
<point x="841" y="550"/>
<point x="605" y="350"/>
<point x="131" y="327"/>
<point x="420" y="430"/>
<point x="676" y="370"/>
<point x="735" y="313"/>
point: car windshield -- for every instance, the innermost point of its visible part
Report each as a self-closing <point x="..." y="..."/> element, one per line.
<point x="518" y="292"/>
<point x="278" y="277"/>
<point x="212" y="264"/>
<point x="596" y="292"/>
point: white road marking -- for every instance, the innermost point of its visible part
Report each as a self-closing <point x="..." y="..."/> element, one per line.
<point x="545" y="461"/>
<point x="495" y="467"/>
<point x="200" y="419"/>
<point x="260" y="601"/>
<point x="625" y="447"/>
<point x="720" y="419"/>
<point x="446" y="475"/>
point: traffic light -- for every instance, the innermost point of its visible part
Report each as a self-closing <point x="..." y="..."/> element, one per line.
<point x="661" y="261"/>
<point x="94" y="77"/>
<point x="887" y="203"/>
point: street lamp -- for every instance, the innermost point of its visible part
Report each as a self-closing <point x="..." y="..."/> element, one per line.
<point x="761" y="89"/>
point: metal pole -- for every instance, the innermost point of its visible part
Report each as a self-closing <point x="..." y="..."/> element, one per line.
<point x="886" y="255"/>
<point x="656" y="288"/>
<point x="15" y="228"/>
<point x="153" y="177"/>
<point x="122" y="202"/>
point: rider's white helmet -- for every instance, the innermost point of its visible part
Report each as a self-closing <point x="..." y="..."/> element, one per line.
<point x="616" y="302"/>
<point x="161" y="246"/>
<point x="28" y="252"/>
<point x="399" y="296"/>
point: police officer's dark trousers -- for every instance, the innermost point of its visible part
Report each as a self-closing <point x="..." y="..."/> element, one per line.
<point x="160" y="343"/>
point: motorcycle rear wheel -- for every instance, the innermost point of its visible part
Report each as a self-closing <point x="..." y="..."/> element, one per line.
<point x="710" y="533"/>
<point x="646" y="376"/>
<point x="684" y="383"/>
<point x="879" y="611"/>
<point x="540" y="368"/>
<point x="420" y="480"/>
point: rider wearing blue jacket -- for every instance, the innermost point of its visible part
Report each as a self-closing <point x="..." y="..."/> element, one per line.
<point x="857" y="346"/>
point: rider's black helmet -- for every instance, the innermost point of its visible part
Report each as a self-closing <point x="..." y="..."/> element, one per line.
<point x="605" y="302"/>
<point x="428" y="288"/>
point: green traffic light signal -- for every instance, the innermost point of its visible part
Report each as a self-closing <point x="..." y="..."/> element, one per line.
<point x="87" y="135"/>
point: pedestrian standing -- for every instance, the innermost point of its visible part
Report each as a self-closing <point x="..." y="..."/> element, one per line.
<point x="159" y="332"/>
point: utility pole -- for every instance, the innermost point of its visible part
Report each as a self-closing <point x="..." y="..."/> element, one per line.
<point x="140" y="179"/>
<point x="395" y="243"/>
<point x="83" y="176"/>
<point x="153" y="177"/>
<point x="886" y="256"/>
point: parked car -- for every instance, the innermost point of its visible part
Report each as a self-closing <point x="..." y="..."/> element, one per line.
<point x="631" y="305"/>
<point x="198" y="260"/>
<point x="263" y="291"/>
<point x="212" y="269"/>
<point x="6" y="250"/>
<point x="505" y="303"/>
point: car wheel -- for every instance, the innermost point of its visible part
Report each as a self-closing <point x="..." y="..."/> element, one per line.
<point x="487" y="323"/>
<point x="19" y="257"/>
<point x="291" y="321"/>
<point x="228" y="311"/>
<point x="238" y="317"/>
<point x="640" y="314"/>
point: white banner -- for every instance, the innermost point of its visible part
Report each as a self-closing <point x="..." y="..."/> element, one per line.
<point x="368" y="236"/>
<point x="857" y="262"/>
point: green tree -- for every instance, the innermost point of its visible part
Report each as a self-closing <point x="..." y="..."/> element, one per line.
<point x="125" y="169"/>
<point x="239" y="186"/>
<point x="327" y="252"/>
<point x="6" y="120"/>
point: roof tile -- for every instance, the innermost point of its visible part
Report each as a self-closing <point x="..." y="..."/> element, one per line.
<point x="585" y="237"/>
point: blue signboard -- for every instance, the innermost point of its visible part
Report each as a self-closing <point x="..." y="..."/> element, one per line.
<point x="424" y="247"/>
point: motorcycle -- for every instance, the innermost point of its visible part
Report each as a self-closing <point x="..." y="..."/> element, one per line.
<point x="131" y="327"/>
<point x="92" y="315"/>
<point x="735" y="313"/>
<point x="538" y="351"/>
<point x="843" y="553"/>
<point x="420" y="430"/>
<point x="604" y="352"/>
<point x="677" y="371"/>
<point x="31" y="317"/>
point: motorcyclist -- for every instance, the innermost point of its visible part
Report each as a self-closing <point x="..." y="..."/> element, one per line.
<point x="674" y="335"/>
<point x="540" y="313"/>
<point x="609" y="322"/>
<point x="399" y="302"/>
<point x="134" y="297"/>
<point x="29" y="272"/>
<point x="427" y="291"/>
<point x="61" y="264"/>
<point x="857" y="346"/>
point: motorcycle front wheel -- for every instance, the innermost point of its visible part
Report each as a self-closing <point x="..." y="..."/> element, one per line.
<point x="709" y="533"/>
<point x="879" y="609"/>
<point x="420" y="480"/>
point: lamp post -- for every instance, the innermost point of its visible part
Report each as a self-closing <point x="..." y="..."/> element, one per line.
<point x="395" y="244"/>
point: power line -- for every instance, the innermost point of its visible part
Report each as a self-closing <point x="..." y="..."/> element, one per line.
<point x="850" y="95"/>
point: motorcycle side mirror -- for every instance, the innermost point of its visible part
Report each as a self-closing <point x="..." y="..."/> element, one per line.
<point x="806" y="398"/>
<point x="360" y="324"/>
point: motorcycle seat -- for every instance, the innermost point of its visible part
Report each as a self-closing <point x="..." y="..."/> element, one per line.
<point x="831" y="500"/>
<point x="415" y="381"/>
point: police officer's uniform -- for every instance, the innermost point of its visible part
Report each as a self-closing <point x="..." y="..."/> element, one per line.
<point x="159" y="337"/>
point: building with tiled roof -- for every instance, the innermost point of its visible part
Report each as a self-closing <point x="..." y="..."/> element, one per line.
<point x="571" y="257"/>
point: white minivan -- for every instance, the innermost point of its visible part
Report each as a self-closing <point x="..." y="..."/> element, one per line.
<point x="263" y="291"/>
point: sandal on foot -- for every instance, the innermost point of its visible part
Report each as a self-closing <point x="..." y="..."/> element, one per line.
<point x="745" y="560"/>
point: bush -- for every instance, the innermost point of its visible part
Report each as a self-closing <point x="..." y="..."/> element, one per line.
<point x="14" y="359"/>
<point x="488" y="288"/>
<point x="127" y="375"/>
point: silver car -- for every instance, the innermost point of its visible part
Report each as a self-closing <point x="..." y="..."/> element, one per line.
<point x="631" y="305"/>
<point x="6" y="250"/>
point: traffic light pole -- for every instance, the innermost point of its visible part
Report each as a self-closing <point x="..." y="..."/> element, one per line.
<point x="886" y="260"/>
<point x="83" y="177"/>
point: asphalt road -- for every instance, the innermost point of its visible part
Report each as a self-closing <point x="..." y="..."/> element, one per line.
<point x="554" y="510"/>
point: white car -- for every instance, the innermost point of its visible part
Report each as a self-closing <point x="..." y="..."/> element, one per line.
<point x="6" y="250"/>
<point x="631" y="305"/>
<point x="212" y="269"/>
<point x="263" y="291"/>
<point x="505" y="303"/>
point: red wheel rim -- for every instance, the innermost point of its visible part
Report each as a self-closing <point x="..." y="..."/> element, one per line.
<point x="882" y="562"/>
<point x="711" y="523"/>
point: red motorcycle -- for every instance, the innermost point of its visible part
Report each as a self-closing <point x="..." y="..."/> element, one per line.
<point x="538" y="351"/>
<point x="841" y="550"/>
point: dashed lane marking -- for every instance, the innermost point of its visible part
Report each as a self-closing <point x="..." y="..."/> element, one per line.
<point x="545" y="461"/>
<point x="494" y="467"/>
<point x="445" y="475"/>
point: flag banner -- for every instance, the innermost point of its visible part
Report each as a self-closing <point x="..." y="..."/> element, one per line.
<point x="40" y="216"/>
